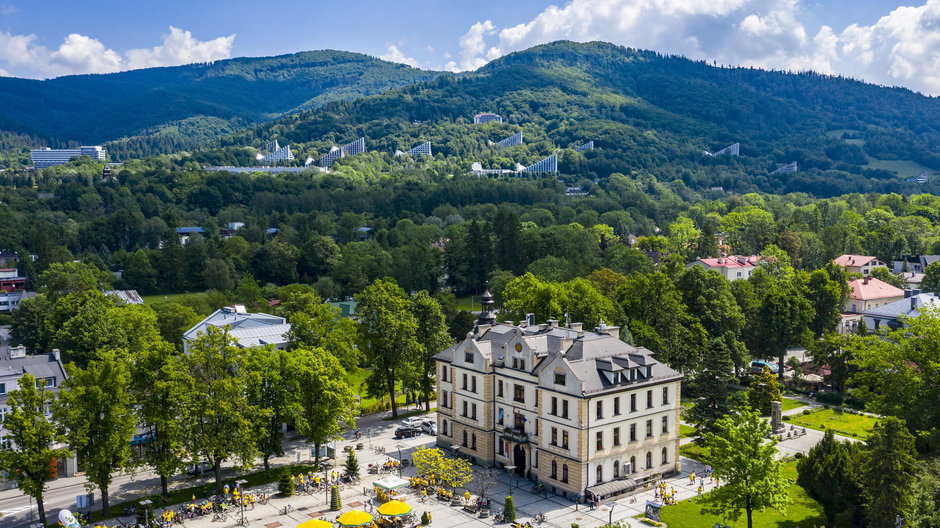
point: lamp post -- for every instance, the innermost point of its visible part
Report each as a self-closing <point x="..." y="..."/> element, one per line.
<point x="400" y="464"/>
<point x="610" y="519"/>
<point x="512" y="469"/>
<point x="146" y="503"/>
<point x="240" y="486"/>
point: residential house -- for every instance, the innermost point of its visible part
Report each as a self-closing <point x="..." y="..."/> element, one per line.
<point x="868" y="293"/>
<point x="10" y="301"/>
<point x="732" y="267"/>
<point x="858" y="264"/>
<point x="126" y="296"/>
<point x="890" y="316"/>
<point x="248" y="329"/>
<point x="47" y="369"/>
<point x="8" y="258"/>
<point x="10" y="281"/>
<point x="185" y="233"/>
<point x="913" y="263"/>
<point x="578" y="410"/>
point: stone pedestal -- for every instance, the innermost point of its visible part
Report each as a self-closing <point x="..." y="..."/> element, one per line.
<point x="776" y="417"/>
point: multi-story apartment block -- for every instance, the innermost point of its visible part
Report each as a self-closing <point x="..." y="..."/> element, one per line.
<point x="580" y="411"/>
<point x="47" y="157"/>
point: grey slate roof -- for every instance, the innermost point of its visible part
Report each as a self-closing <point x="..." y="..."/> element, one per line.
<point x="39" y="366"/>
<point x="250" y="329"/>
<point x="903" y="307"/>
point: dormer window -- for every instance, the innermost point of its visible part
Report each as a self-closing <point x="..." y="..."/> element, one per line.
<point x="518" y="363"/>
<point x="559" y="378"/>
<point x="468" y="357"/>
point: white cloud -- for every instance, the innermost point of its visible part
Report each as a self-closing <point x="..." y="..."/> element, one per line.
<point x="903" y="47"/>
<point x="393" y="54"/>
<point x="83" y="54"/>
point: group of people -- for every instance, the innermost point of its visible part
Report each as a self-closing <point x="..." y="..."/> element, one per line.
<point x="667" y="496"/>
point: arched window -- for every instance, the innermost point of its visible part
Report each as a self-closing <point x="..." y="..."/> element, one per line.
<point x="632" y="465"/>
<point x="554" y="469"/>
<point x="600" y="474"/>
<point x="564" y="472"/>
<point x="473" y="444"/>
<point x="649" y="459"/>
<point x="665" y="456"/>
<point x="616" y="469"/>
<point x="444" y="427"/>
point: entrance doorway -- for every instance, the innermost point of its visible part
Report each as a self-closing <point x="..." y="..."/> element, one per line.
<point x="518" y="459"/>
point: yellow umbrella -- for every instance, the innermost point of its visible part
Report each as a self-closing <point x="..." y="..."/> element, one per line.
<point x="394" y="508"/>
<point x="315" y="523"/>
<point x="354" y="518"/>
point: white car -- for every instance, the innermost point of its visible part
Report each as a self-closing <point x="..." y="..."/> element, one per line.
<point x="414" y="421"/>
<point x="429" y="427"/>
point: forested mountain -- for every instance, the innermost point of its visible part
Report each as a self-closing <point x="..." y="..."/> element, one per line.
<point x="652" y="113"/>
<point x="177" y="108"/>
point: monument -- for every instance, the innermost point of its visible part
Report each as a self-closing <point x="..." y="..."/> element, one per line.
<point x="776" y="416"/>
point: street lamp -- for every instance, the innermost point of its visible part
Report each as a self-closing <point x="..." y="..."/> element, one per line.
<point x="240" y="485"/>
<point x="146" y="503"/>
<point x="610" y="519"/>
<point x="512" y="469"/>
<point x="400" y="464"/>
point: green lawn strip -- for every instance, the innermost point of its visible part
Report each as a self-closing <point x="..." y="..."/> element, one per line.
<point x="695" y="450"/>
<point x="202" y="491"/>
<point x="842" y="423"/>
<point x="468" y="304"/>
<point x="169" y="297"/>
<point x="802" y="511"/>
<point x="687" y="431"/>
<point x="791" y="404"/>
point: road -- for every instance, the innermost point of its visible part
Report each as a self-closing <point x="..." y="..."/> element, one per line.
<point x="61" y="493"/>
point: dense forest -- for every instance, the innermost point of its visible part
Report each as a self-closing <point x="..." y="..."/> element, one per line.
<point x="162" y="110"/>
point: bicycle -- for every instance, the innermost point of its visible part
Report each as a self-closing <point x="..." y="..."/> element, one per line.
<point x="539" y="518"/>
<point x="286" y="509"/>
<point x="219" y="516"/>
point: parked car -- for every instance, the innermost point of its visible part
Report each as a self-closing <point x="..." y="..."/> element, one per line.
<point x="407" y="431"/>
<point x="758" y="366"/>
<point x="429" y="427"/>
<point x="199" y="468"/>
<point x="414" y="421"/>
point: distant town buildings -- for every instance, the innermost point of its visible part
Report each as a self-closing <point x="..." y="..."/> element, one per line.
<point x="858" y="263"/>
<point x="248" y="329"/>
<point x="10" y="301"/>
<point x="11" y="281"/>
<point x="789" y="167"/>
<point x="922" y="178"/>
<point x="422" y="149"/>
<point x="514" y="140"/>
<point x="587" y="146"/>
<point x="486" y="117"/>
<point x="126" y="296"/>
<point x="185" y="233"/>
<point x="730" y="150"/>
<point x="549" y="164"/>
<point x="577" y="410"/>
<point x="47" y="157"/>
<point x="266" y="170"/>
<point x="732" y="267"/>
<point x="276" y="153"/>
<point x="350" y="149"/>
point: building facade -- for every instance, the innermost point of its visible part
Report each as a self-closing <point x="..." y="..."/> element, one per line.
<point x="868" y="293"/>
<point x="486" y="117"/>
<point x="11" y="281"/>
<point x="47" y="157"/>
<point x="732" y="267"/>
<point x="580" y="411"/>
<point x="858" y="263"/>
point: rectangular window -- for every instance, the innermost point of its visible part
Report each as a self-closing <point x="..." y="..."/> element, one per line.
<point x="518" y="393"/>
<point x="600" y="410"/>
<point x="600" y="440"/>
<point x="468" y="357"/>
<point x="3" y="388"/>
<point x="465" y="438"/>
<point x="473" y="412"/>
<point x="564" y="408"/>
<point x="649" y="428"/>
<point x="665" y="424"/>
<point x="444" y="399"/>
<point x="443" y="373"/>
<point x="617" y="406"/>
<point x="633" y="403"/>
<point x="564" y="439"/>
<point x="473" y="384"/>
<point x="499" y="389"/>
<point x="633" y="432"/>
<point x="499" y="416"/>
<point x="665" y="395"/>
<point x="559" y="378"/>
<point x="464" y="385"/>
<point x="554" y="411"/>
<point x="616" y="436"/>
<point x="554" y="441"/>
<point x="465" y="409"/>
<point x="649" y="399"/>
<point x="518" y="363"/>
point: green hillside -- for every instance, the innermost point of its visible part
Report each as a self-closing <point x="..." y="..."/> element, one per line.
<point x="647" y="112"/>
<point x="184" y="107"/>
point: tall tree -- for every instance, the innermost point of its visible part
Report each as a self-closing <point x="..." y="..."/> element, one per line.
<point x="781" y="321"/>
<point x="95" y="411"/>
<point x="828" y="298"/>
<point x="326" y="403"/>
<point x="888" y="467"/>
<point x="827" y="473"/>
<point x="28" y="458"/>
<point x="748" y="467"/>
<point x="222" y="421"/>
<point x="160" y="390"/>
<point x="272" y="385"/>
<point x="386" y="335"/>
<point x="711" y="384"/>
<point x="315" y="324"/>
<point x="433" y="338"/>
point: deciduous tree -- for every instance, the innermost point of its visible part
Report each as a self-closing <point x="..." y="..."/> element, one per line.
<point x="327" y="406"/>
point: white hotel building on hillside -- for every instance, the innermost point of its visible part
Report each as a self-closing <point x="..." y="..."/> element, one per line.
<point x="47" y="157"/>
<point x="580" y="411"/>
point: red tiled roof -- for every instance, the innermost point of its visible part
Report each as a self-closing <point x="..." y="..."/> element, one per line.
<point x="852" y="260"/>
<point x="871" y="288"/>
<point x="733" y="261"/>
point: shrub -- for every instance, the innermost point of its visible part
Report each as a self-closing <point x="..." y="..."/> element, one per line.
<point x="574" y="525"/>
<point x="806" y="412"/>
<point x="426" y="518"/>
<point x="335" y="502"/>
<point x="509" y="510"/>
<point x="285" y="487"/>
<point x="832" y="398"/>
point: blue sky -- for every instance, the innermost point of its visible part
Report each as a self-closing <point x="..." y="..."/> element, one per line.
<point x="885" y="41"/>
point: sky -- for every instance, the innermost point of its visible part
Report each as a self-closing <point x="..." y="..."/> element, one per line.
<point x="889" y="42"/>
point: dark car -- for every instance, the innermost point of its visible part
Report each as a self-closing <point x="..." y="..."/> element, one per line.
<point x="407" y="431"/>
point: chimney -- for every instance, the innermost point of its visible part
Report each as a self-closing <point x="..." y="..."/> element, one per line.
<point x="56" y="354"/>
<point x="552" y="323"/>
<point x="913" y="302"/>
<point x="865" y="280"/>
<point x="576" y="326"/>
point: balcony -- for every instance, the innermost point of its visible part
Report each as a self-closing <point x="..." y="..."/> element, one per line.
<point x="516" y="434"/>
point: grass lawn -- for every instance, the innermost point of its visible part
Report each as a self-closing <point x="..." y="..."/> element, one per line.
<point x="791" y="404"/>
<point x="695" y="450"/>
<point x="357" y="381"/>
<point x="853" y="425"/>
<point x="904" y="168"/>
<point x="687" y="430"/>
<point x="469" y="303"/>
<point x="802" y="511"/>
<point x="150" y="299"/>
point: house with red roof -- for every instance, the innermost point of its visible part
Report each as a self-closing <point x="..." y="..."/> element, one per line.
<point x="732" y="267"/>
<point x="858" y="263"/>
<point x="869" y="293"/>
